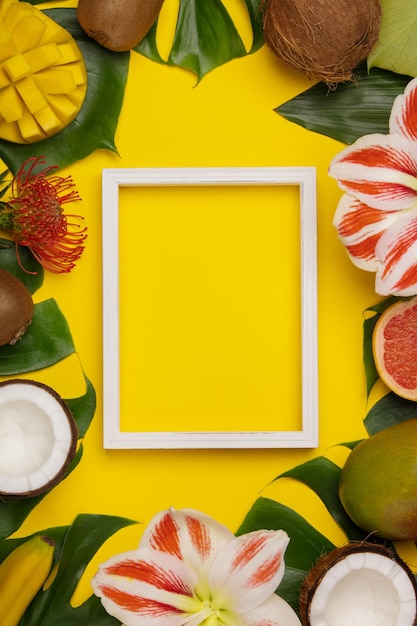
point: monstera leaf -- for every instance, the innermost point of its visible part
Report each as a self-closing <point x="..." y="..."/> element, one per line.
<point x="395" y="49"/>
<point x="205" y="36"/>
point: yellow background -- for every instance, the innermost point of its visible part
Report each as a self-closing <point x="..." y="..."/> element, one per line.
<point x="226" y="120"/>
<point x="201" y="315"/>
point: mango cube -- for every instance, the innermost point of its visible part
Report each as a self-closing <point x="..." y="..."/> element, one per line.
<point x="15" y="13"/>
<point x="48" y="121"/>
<point x="63" y="106"/>
<point x="4" y="79"/>
<point x="6" y="43"/>
<point x="44" y="56"/>
<point x="31" y="94"/>
<point x="29" y="128"/>
<point x="16" y="67"/>
<point x="58" y="81"/>
<point x="28" y="33"/>
<point x="11" y="106"/>
<point x="69" y="53"/>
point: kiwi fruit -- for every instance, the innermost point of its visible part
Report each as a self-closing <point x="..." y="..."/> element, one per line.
<point x="118" y="25"/>
<point x="16" y="308"/>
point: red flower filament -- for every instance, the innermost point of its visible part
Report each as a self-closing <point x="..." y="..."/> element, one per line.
<point x="35" y="217"/>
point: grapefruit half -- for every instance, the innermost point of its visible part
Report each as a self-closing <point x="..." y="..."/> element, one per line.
<point x="394" y="346"/>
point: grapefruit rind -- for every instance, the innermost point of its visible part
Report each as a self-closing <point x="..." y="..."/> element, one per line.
<point x="381" y="346"/>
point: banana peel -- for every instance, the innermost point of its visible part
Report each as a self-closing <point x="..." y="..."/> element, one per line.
<point x="22" y="574"/>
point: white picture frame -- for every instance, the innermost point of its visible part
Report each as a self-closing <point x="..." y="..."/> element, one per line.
<point x="115" y="178"/>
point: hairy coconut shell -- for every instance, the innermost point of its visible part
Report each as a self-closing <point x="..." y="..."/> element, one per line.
<point x="323" y="39"/>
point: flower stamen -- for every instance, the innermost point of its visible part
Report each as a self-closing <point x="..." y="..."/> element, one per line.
<point x="34" y="216"/>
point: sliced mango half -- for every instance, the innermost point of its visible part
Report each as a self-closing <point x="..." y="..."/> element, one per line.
<point x="43" y="78"/>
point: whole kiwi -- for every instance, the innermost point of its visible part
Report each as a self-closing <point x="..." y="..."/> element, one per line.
<point x="118" y="25"/>
<point x="16" y="308"/>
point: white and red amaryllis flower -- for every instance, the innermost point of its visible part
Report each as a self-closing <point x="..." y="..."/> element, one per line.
<point x="35" y="217"/>
<point x="191" y="570"/>
<point x="376" y="219"/>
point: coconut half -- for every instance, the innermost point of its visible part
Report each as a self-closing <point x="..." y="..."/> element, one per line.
<point x="364" y="584"/>
<point x="38" y="438"/>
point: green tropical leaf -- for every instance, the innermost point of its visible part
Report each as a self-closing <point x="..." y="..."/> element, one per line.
<point x="74" y="551"/>
<point x="350" y="111"/>
<point x="83" y="408"/>
<point x="34" y="274"/>
<point x="256" y="18"/>
<point x="47" y="341"/>
<point x="350" y="444"/>
<point x="306" y="543"/>
<point x="395" y="48"/>
<point x="389" y="410"/>
<point x="95" y="126"/>
<point x="205" y="36"/>
<point x="148" y="47"/>
<point x="322" y="476"/>
<point x="13" y="513"/>
<point x="368" y="328"/>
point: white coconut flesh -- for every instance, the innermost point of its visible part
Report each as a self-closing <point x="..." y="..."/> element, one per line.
<point x="37" y="437"/>
<point x="364" y="589"/>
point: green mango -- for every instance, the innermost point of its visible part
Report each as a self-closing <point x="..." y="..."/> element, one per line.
<point x="378" y="483"/>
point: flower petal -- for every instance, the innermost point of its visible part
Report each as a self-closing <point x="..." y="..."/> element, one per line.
<point x="248" y="570"/>
<point x="190" y="535"/>
<point x="146" y="587"/>
<point x="403" y="118"/>
<point x="379" y="170"/>
<point x="359" y="228"/>
<point x="274" y="612"/>
<point x="397" y="251"/>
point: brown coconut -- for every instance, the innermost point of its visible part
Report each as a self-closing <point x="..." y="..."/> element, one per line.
<point x="371" y="559"/>
<point x="323" y="39"/>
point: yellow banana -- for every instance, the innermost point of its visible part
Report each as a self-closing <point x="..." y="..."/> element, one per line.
<point x="22" y="574"/>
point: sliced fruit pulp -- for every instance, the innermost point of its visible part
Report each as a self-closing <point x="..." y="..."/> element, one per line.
<point x="400" y="346"/>
<point x="43" y="79"/>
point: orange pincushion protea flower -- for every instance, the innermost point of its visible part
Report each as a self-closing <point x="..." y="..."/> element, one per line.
<point x="35" y="217"/>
